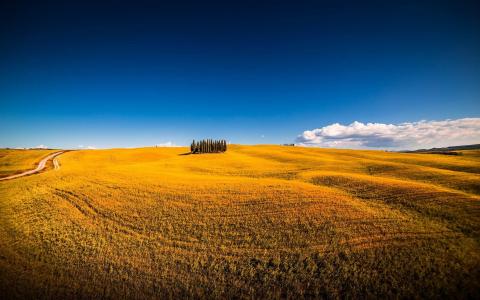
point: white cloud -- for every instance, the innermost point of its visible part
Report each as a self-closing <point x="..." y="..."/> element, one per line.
<point x="87" y="147"/>
<point x="414" y="135"/>
<point x="167" y="144"/>
<point x="41" y="147"/>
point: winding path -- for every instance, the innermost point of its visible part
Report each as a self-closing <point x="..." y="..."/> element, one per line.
<point x="41" y="165"/>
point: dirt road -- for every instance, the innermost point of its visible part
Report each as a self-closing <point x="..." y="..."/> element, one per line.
<point x="41" y="165"/>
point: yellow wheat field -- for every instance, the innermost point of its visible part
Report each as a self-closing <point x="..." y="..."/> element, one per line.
<point x="254" y="222"/>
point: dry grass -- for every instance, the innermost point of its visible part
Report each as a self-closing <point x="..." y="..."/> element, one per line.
<point x="256" y="221"/>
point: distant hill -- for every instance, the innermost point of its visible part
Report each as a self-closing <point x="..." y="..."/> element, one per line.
<point x="446" y="150"/>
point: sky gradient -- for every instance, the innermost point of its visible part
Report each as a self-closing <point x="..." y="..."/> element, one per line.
<point x="141" y="73"/>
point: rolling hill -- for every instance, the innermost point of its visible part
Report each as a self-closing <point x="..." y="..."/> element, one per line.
<point x="255" y="221"/>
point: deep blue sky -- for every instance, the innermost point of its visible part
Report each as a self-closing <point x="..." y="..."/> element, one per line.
<point x="142" y="73"/>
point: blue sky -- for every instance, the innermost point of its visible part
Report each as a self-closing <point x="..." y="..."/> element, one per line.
<point x="141" y="73"/>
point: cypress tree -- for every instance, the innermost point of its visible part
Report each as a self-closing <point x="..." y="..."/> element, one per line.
<point x="208" y="146"/>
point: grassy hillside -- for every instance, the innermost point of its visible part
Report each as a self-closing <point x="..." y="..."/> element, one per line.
<point x="17" y="161"/>
<point x="262" y="221"/>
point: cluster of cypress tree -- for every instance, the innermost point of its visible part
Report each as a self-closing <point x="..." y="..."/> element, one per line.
<point x="208" y="146"/>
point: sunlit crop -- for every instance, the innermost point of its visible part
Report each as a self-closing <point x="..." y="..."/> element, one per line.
<point x="255" y="221"/>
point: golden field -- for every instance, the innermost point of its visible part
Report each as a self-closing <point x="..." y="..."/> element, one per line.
<point x="254" y="222"/>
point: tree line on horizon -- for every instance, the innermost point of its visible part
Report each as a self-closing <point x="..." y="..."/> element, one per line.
<point x="208" y="146"/>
